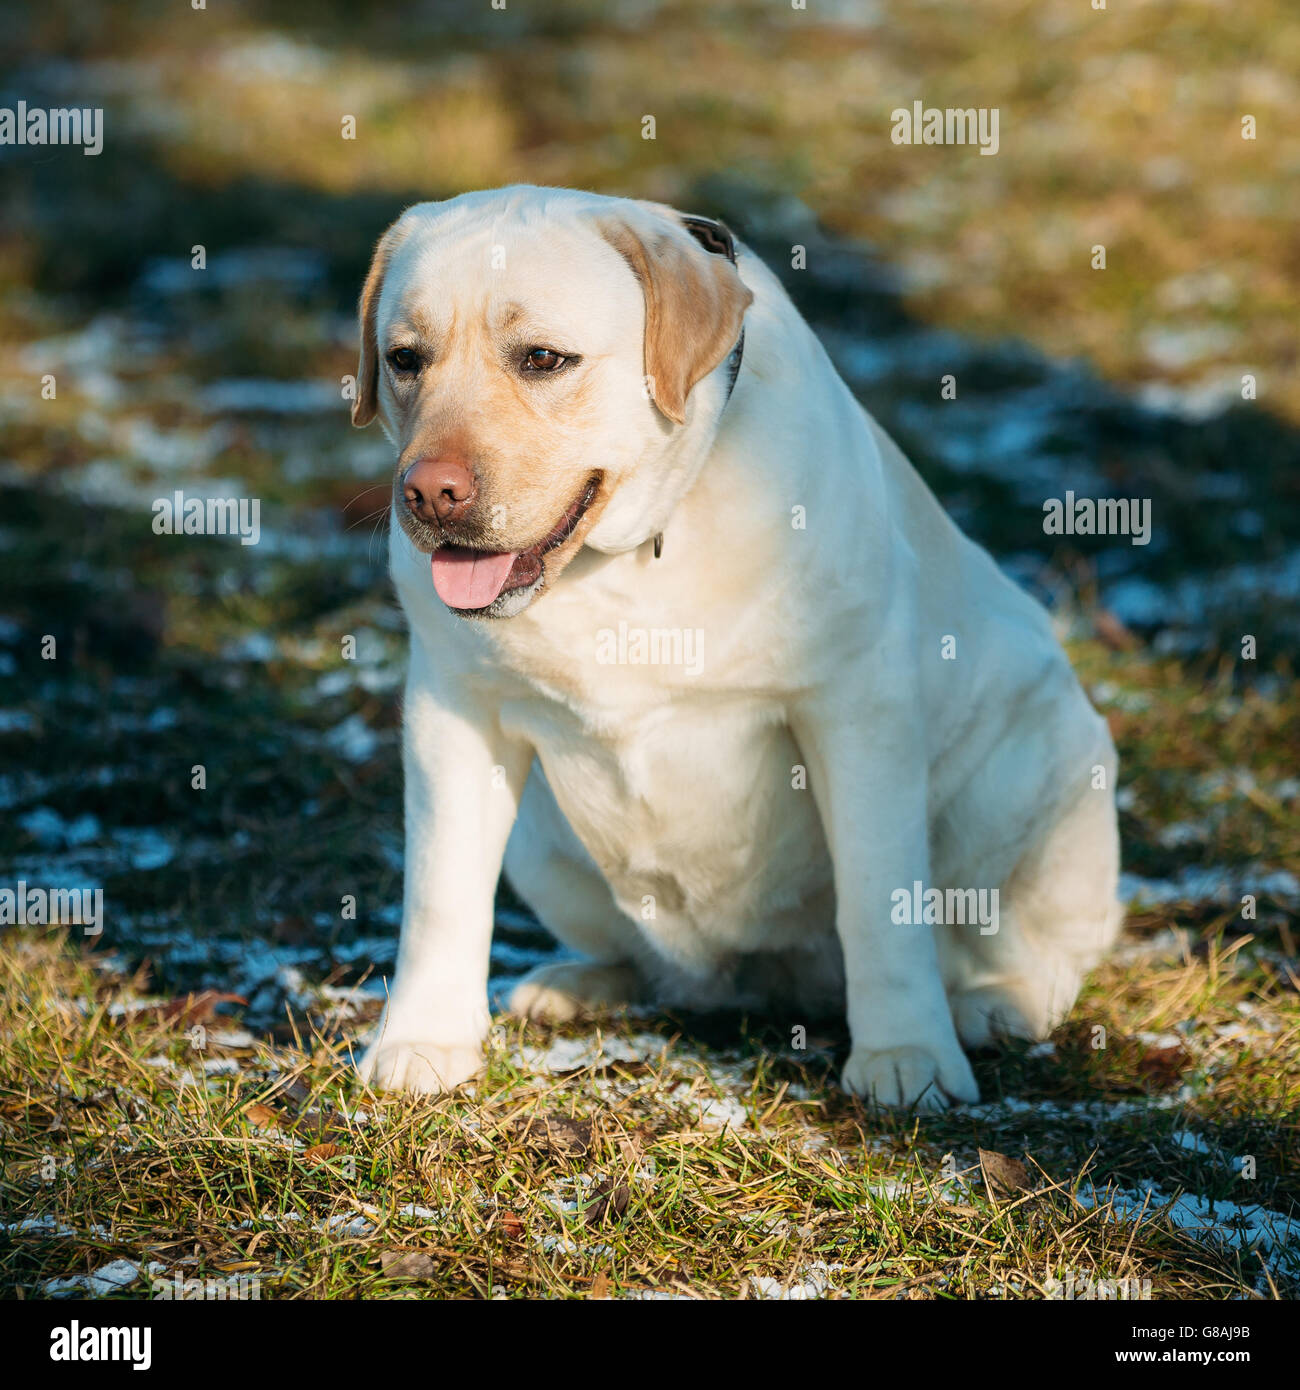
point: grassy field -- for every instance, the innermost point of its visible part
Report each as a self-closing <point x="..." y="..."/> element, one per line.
<point x="653" y="1158"/>
<point x="153" y="1131"/>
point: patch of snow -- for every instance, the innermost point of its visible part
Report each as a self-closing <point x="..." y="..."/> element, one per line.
<point x="146" y="848"/>
<point x="253" y="395"/>
<point x="550" y="1244"/>
<point x="48" y="1226"/>
<point x="812" y="1282"/>
<point x="576" y="1054"/>
<point x="353" y="739"/>
<point x="344" y="1225"/>
<point x="53" y="831"/>
<point x="1180" y="833"/>
<point x="1219" y="884"/>
<point x="110" y="1278"/>
<point x="1168" y="944"/>
<point x="424" y="1213"/>
<point x="252" y="646"/>
<point x="1217" y="1221"/>
<point x="711" y="1112"/>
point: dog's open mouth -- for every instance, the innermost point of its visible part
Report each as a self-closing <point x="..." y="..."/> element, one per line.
<point x="468" y="579"/>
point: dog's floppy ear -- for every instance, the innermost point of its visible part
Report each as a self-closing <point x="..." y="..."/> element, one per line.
<point x="695" y="303"/>
<point x="366" y="404"/>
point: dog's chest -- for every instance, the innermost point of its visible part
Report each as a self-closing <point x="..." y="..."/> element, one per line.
<point x="696" y="810"/>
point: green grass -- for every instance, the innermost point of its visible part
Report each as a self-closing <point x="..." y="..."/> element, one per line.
<point x="783" y="1181"/>
<point x="1119" y="127"/>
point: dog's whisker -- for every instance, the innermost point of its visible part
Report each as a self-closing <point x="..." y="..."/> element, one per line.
<point x="369" y="516"/>
<point x="376" y="530"/>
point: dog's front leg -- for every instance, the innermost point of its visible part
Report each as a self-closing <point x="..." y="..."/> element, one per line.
<point x="463" y="782"/>
<point x="870" y="786"/>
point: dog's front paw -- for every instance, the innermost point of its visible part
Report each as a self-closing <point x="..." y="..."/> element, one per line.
<point x="903" y="1076"/>
<point x="393" y="1065"/>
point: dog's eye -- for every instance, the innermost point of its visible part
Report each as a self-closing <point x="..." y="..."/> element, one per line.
<point x="543" y="360"/>
<point x="403" y="360"/>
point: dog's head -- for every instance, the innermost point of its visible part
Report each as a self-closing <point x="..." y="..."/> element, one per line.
<point x="533" y="354"/>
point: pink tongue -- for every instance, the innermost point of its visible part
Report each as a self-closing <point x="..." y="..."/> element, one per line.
<point x="470" y="578"/>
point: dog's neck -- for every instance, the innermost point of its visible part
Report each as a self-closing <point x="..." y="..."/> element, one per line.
<point x="647" y="499"/>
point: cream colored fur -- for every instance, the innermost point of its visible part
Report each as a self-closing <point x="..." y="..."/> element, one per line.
<point x="732" y="829"/>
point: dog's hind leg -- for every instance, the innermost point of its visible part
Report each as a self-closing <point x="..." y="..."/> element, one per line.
<point x="573" y="989"/>
<point x="550" y="869"/>
<point x="1058" y="915"/>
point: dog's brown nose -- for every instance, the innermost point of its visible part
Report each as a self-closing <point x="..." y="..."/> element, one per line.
<point x="439" y="491"/>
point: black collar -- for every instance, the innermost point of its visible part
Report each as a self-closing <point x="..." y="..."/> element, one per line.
<point x="716" y="238"/>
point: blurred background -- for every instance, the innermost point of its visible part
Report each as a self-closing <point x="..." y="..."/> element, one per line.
<point x="224" y="129"/>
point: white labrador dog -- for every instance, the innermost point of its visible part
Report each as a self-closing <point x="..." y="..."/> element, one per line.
<point x="698" y="657"/>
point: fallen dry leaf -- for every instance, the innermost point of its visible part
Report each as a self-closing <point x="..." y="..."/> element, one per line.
<point x="261" y="1116"/>
<point x="556" y="1135"/>
<point x="960" y="1209"/>
<point x="406" y="1264"/>
<point x="1003" y="1175"/>
<point x="297" y="1092"/>
<point x="1163" y="1065"/>
<point x="608" y="1199"/>
<point x="321" y="1153"/>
